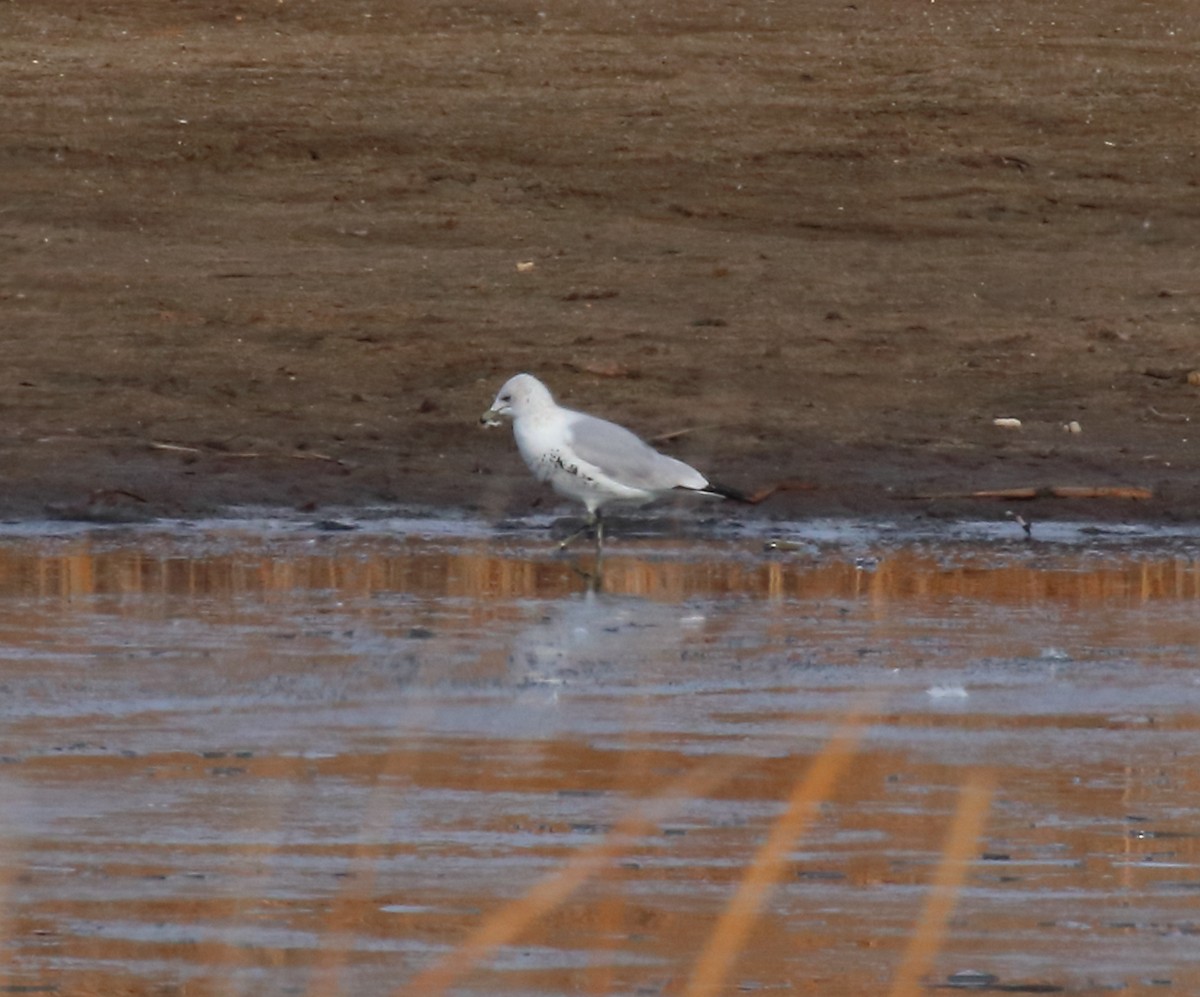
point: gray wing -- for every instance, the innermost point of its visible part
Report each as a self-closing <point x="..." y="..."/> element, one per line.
<point x="625" y="458"/>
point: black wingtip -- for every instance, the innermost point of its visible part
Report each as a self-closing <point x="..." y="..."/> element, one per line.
<point x="725" y="492"/>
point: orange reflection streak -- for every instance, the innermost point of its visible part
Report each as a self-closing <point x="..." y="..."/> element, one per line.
<point x="506" y="924"/>
<point x="729" y="937"/>
<point x="926" y="939"/>
<point x="364" y="861"/>
<point x="10" y="868"/>
<point x="611" y="909"/>
<point x="667" y="572"/>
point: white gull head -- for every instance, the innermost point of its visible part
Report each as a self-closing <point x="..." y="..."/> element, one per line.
<point x="522" y="394"/>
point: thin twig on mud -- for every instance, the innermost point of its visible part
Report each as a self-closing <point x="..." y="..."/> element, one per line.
<point x="174" y="447"/>
<point x="675" y="434"/>
<point x="294" y="455"/>
<point x="246" y="454"/>
<point x="1167" y="416"/>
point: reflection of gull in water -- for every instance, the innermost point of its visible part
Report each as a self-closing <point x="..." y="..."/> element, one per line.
<point x="592" y="460"/>
<point x="580" y="640"/>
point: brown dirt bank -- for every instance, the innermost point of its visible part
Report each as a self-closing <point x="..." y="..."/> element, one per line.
<point x="834" y="240"/>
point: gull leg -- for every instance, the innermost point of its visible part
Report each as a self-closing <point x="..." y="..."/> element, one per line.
<point x="588" y="524"/>
<point x="595" y="577"/>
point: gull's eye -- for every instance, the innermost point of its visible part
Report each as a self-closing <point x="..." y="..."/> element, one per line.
<point x="506" y="398"/>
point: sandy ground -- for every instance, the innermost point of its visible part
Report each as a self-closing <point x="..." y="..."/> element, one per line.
<point x="303" y="243"/>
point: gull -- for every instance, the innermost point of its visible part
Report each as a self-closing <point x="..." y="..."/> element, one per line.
<point x="588" y="459"/>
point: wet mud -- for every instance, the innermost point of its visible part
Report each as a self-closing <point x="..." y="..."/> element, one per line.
<point x="283" y="252"/>
<point x="420" y="760"/>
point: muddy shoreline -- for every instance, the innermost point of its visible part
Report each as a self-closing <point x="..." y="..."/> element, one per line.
<point x="283" y="256"/>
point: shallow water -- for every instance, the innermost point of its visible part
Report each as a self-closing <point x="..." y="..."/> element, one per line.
<point x="252" y="758"/>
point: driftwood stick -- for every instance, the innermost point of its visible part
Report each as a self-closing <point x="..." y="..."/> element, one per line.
<point x="1050" y="491"/>
<point x="791" y="485"/>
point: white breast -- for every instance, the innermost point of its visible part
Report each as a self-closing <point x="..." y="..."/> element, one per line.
<point x="542" y="441"/>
